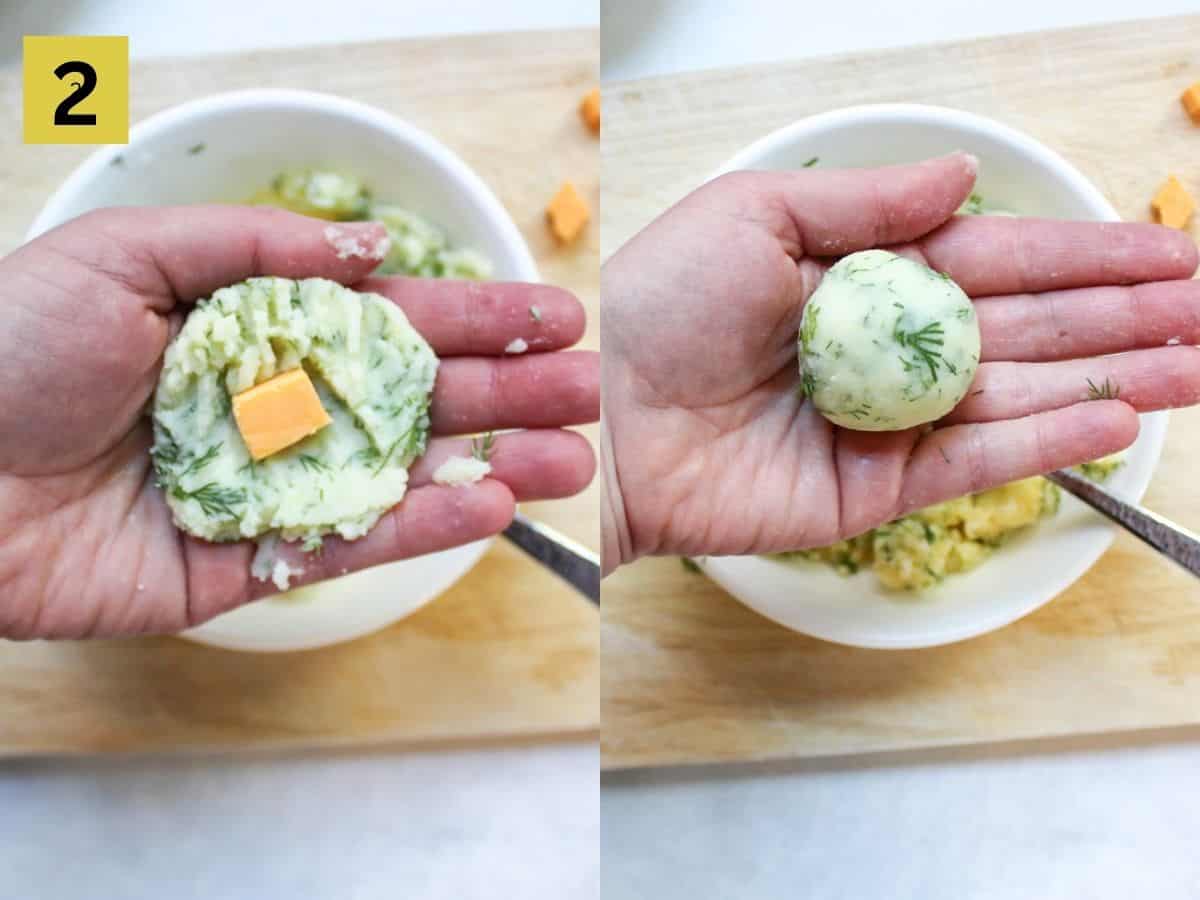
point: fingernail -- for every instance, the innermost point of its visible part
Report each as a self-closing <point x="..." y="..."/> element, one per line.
<point x="358" y="240"/>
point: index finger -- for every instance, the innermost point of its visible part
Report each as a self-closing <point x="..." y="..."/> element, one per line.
<point x="172" y="253"/>
<point x="989" y="255"/>
<point x="481" y="318"/>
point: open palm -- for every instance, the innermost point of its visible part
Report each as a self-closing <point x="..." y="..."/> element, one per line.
<point x="87" y="545"/>
<point x="709" y="447"/>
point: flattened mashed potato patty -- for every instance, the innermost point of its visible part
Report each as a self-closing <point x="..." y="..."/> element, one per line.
<point x="374" y="376"/>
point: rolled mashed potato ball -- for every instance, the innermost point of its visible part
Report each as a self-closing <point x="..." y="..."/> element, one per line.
<point x="886" y="343"/>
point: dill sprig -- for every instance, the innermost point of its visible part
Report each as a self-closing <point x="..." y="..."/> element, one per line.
<point x="1107" y="391"/>
<point x="481" y="446"/>
<point x="202" y="460"/>
<point x="926" y="343"/>
<point x="312" y="463"/>
<point x="214" y="500"/>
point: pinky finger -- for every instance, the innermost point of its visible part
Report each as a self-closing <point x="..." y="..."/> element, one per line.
<point x="962" y="459"/>
<point x="431" y="518"/>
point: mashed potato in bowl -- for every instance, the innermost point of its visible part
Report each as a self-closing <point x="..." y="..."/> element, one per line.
<point x="418" y="247"/>
<point x="921" y="549"/>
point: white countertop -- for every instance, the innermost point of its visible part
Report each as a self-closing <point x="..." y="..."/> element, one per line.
<point x="1112" y="817"/>
<point x="476" y="824"/>
<point x="470" y="824"/>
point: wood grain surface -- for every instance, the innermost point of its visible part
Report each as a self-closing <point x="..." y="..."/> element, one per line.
<point x="509" y="651"/>
<point x="689" y="675"/>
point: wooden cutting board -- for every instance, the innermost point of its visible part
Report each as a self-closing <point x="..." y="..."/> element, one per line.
<point x="689" y="674"/>
<point x="509" y="651"/>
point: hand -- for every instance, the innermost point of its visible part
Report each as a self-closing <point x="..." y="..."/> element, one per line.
<point x="87" y="545"/>
<point x="709" y="449"/>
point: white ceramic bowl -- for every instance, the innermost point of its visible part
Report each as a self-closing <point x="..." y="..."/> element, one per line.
<point x="1016" y="173"/>
<point x="246" y="138"/>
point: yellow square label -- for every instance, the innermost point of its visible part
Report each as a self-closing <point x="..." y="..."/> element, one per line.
<point x="76" y="89"/>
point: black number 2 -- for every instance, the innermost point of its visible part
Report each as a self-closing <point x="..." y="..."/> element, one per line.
<point x="82" y="90"/>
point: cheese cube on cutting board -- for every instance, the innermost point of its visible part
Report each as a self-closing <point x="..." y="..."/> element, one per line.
<point x="278" y="413"/>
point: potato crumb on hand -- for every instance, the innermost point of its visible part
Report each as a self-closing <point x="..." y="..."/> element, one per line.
<point x="460" y="470"/>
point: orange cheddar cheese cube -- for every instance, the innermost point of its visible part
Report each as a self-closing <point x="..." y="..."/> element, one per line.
<point x="279" y="412"/>
<point x="589" y="110"/>
<point x="567" y="213"/>
<point x="1191" y="102"/>
<point x="1172" y="205"/>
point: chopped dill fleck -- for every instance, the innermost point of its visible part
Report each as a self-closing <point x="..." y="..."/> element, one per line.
<point x="368" y="456"/>
<point x="214" y="500"/>
<point x="808" y="384"/>
<point x="196" y="148"/>
<point x="314" y="544"/>
<point x="808" y="327"/>
<point x="812" y="162"/>
<point x="166" y="451"/>
<point x="926" y="343"/>
<point x="201" y="461"/>
<point x="312" y="463"/>
<point x="1107" y="391"/>
<point x="481" y="446"/>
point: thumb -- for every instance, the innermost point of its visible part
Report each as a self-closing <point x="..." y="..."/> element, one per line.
<point x="187" y="252"/>
<point x="831" y="212"/>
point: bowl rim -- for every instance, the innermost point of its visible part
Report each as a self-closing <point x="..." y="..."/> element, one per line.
<point x="1153" y="425"/>
<point x="923" y="113"/>
<point x="400" y="130"/>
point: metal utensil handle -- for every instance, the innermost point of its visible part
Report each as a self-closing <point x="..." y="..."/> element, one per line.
<point x="1166" y="537"/>
<point x="575" y="564"/>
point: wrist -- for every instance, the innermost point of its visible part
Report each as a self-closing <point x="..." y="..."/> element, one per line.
<point x="616" y="546"/>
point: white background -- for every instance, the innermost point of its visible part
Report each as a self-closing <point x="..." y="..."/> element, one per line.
<point x="1113" y="817"/>
<point x="520" y="822"/>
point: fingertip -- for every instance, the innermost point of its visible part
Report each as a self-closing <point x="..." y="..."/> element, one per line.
<point x="546" y="465"/>
<point x="495" y="503"/>
<point x="571" y="318"/>
<point x="1183" y="258"/>
<point x="1126" y="425"/>
<point x="357" y="247"/>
